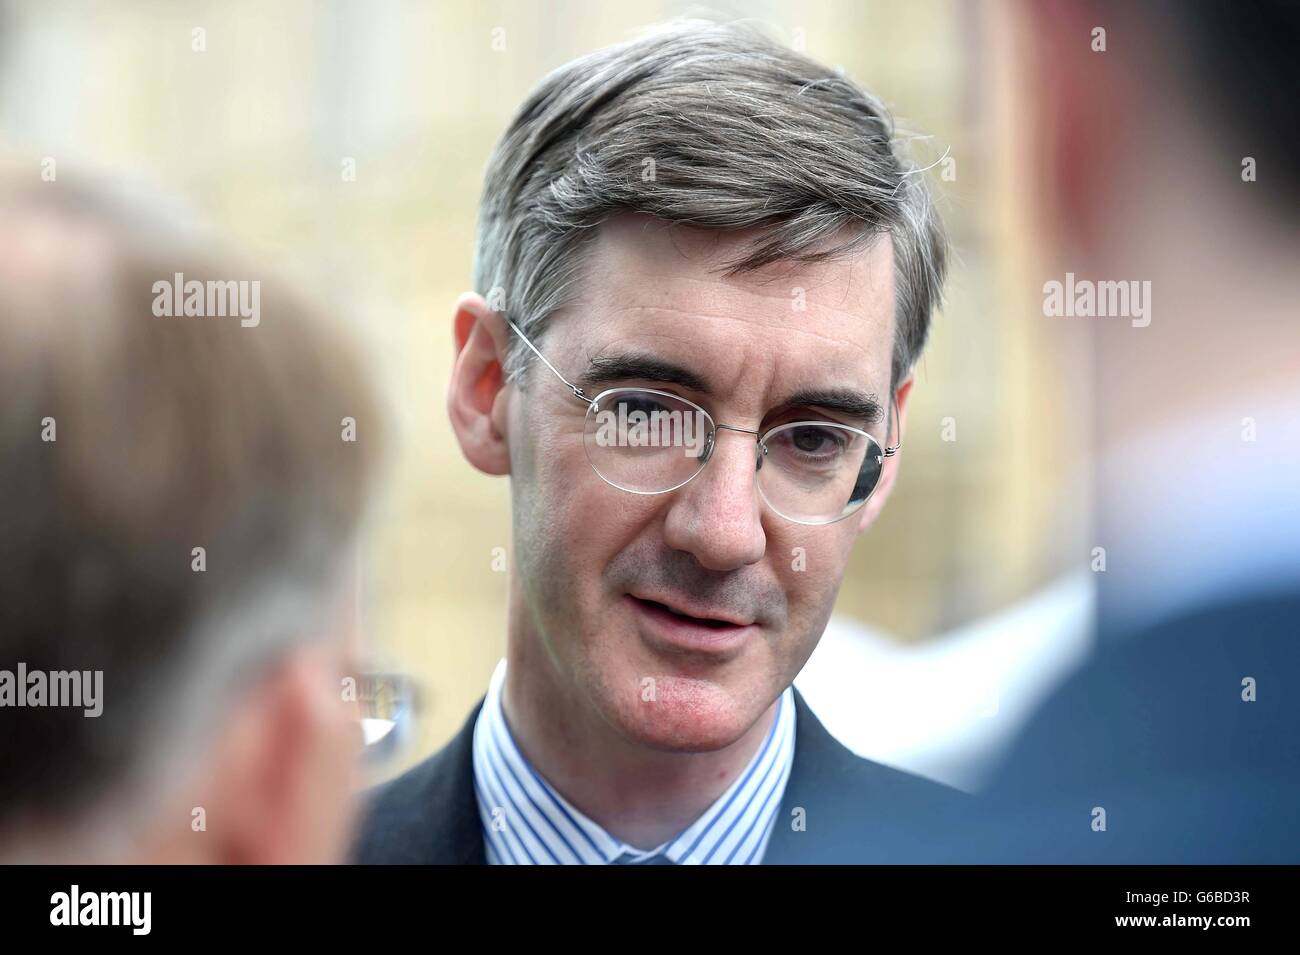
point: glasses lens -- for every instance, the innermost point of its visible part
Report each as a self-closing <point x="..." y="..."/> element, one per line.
<point x="818" y="472"/>
<point x="386" y="703"/>
<point x="646" y="441"/>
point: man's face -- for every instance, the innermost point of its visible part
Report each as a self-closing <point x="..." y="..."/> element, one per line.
<point x="601" y="569"/>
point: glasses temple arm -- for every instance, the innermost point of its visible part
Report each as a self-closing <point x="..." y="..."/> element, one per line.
<point x="891" y="450"/>
<point x="577" y="392"/>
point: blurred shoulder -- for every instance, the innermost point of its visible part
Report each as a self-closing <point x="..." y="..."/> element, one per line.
<point x="428" y="814"/>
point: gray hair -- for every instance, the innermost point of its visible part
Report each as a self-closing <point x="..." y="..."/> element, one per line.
<point x="742" y="133"/>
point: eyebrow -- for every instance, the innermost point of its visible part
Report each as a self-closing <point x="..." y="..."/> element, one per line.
<point x="626" y="366"/>
<point x="847" y="401"/>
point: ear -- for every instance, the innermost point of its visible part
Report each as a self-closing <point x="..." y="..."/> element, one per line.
<point x="278" y="781"/>
<point x="1082" y="90"/>
<point x="476" y="397"/>
<point x="876" y="503"/>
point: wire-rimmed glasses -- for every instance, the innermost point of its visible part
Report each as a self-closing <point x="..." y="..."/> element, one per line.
<point x="647" y="441"/>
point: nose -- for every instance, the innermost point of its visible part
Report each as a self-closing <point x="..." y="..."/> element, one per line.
<point x="717" y="517"/>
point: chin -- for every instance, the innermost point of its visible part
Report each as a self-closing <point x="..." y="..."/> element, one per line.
<point x="687" y="714"/>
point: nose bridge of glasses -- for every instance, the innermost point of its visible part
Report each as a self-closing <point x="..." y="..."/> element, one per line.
<point x="711" y="440"/>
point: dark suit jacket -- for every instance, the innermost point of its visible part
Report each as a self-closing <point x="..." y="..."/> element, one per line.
<point x="855" y="810"/>
<point x="1155" y="731"/>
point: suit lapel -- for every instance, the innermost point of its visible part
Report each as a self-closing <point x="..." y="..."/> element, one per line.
<point x="841" y="808"/>
<point x="428" y="815"/>
<point x="461" y="838"/>
<point x="815" y="763"/>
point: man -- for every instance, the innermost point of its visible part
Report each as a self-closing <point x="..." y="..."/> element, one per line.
<point x="1177" y="743"/>
<point x="176" y="628"/>
<point x="726" y="274"/>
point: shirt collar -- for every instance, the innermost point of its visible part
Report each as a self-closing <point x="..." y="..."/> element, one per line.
<point x="526" y="821"/>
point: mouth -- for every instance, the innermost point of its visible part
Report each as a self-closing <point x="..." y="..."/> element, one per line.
<point x="674" y="628"/>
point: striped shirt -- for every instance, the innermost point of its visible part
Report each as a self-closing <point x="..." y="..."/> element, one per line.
<point x="527" y="822"/>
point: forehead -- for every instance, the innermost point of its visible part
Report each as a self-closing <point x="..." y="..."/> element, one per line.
<point x="652" y="286"/>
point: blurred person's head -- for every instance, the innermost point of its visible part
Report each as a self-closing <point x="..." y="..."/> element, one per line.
<point x="706" y="212"/>
<point x="180" y="507"/>
<point x="1171" y="158"/>
<point x="1169" y="152"/>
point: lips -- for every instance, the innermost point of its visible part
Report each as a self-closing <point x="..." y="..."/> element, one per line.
<point x="705" y="637"/>
<point x="691" y="613"/>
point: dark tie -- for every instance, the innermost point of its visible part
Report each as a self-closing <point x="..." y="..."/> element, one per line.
<point x="660" y="859"/>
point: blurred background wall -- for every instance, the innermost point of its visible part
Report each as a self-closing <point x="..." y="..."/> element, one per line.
<point x="344" y="142"/>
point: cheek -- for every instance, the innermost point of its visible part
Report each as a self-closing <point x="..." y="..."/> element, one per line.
<point x="568" y="523"/>
<point x="545" y="489"/>
<point x="810" y="565"/>
<point x="339" y="716"/>
<point x="332" y="811"/>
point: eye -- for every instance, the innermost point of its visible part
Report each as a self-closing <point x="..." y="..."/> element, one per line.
<point x="813" y="442"/>
<point x="639" y="401"/>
